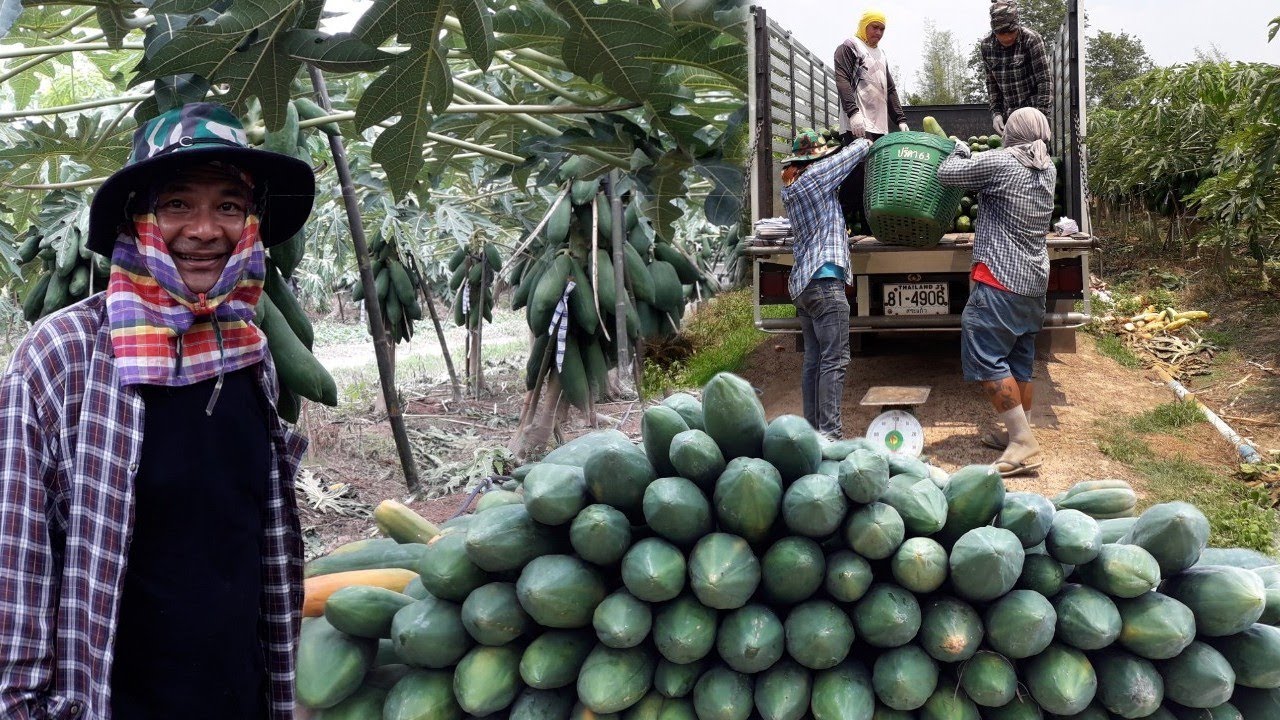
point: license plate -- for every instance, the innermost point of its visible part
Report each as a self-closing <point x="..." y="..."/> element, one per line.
<point x="916" y="299"/>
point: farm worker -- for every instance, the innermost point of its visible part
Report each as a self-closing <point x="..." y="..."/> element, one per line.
<point x="148" y="531"/>
<point x="811" y="179"/>
<point x="869" y="102"/>
<point x="1010" y="275"/>
<point x="1016" y="65"/>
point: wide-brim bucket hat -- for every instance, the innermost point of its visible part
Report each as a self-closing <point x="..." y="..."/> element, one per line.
<point x="807" y="147"/>
<point x="284" y="187"/>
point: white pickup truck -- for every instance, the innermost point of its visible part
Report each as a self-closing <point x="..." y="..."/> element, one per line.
<point x="900" y="288"/>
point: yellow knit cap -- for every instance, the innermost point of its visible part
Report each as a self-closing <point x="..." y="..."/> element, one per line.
<point x="869" y="17"/>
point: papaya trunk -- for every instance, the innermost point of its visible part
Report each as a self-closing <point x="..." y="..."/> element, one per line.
<point x="382" y="348"/>
<point x="521" y="444"/>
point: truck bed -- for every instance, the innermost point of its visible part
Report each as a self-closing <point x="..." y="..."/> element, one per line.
<point x="874" y="263"/>
<point x="765" y="247"/>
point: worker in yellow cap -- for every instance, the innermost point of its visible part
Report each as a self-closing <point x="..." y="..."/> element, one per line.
<point x="869" y="102"/>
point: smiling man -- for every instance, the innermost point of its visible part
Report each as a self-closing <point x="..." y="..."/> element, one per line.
<point x="147" y="519"/>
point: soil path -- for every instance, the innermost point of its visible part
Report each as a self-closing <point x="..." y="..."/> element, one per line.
<point x="1073" y="393"/>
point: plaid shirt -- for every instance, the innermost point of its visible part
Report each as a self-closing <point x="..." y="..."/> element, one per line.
<point x="71" y="439"/>
<point x="1017" y="76"/>
<point x="1017" y="207"/>
<point x="817" y="220"/>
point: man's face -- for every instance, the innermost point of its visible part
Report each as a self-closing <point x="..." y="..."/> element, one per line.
<point x="201" y="215"/>
<point x="875" y="31"/>
<point x="1007" y="38"/>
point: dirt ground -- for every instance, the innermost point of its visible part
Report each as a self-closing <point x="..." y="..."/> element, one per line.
<point x="1073" y="394"/>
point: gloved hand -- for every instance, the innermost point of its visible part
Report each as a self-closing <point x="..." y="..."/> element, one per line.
<point x="997" y="122"/>
<point x="962" y="149"/>
<point x="902" y="127"/>
<point x="857" y="125"/>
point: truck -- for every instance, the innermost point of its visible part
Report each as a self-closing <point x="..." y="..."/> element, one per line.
<point x="896" y="289"/>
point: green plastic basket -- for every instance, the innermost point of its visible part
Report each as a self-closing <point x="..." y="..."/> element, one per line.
<point x="905" y="203"/>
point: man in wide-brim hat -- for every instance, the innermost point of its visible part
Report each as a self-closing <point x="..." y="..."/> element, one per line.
<point x="811" y="178"/>
<point x="147" y="519"/>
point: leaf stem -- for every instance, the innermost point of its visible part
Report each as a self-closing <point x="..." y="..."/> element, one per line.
<point x="59" y="109"/>
<point x="71" y="25"/>
<point x="550" y="84"/>
<point x="472" y="147"/>
<point x="39" y="59"/>
<point x="10" y="53"/>
<point x="540" y="126"/>
<point x="87" y="182"/>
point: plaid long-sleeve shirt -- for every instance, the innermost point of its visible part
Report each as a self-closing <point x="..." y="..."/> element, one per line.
<point x="1017" y="207"/>
<point x="817" y="220"/>
<point x="1017" y="76"/>
<point x="70" y="442"/>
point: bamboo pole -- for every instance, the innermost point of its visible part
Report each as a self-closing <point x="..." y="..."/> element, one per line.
<point x="444" y="346"/>
<point x="619" y="277"/>
<point x="382" y="348"/>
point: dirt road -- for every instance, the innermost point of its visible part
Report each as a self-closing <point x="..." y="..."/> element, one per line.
<point x="1073" y="393"/>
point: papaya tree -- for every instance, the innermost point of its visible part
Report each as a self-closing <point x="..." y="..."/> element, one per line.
<point x="433" y="89"/>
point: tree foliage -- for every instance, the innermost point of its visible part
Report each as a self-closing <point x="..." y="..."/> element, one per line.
<point x="1200" y="140"/>
<point x="1114" y="59"/>
<point x="668" y="77"/>
<point x="940" y="78"/>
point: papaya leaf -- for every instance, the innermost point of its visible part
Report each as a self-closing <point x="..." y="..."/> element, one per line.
<point x="340" y="52"/>
<point x="399" y="150"/>
<point x="477" y="30"/>
<point x="378" y="23"/>
<point x="176" y="7"/>
<point x="111" y="22"/>
<point x="205" y="49"/>
<point x="418" y="78"/>
<point x="704" y="48"/>
<point x="263" y="70"/>
<point x="409" y="91"/>
<point x="723" y="204"/>
<point x="611" y="40"/>
<point x="527" y="24"/>
<point x="665" y="183"/>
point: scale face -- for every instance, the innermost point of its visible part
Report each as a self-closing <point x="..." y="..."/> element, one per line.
<point x="899" y="431"/>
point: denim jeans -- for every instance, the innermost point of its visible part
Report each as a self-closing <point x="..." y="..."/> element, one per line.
<point x="823" y="310"/>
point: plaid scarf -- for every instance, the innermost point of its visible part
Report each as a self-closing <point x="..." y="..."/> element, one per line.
<point x="162" y="333"/>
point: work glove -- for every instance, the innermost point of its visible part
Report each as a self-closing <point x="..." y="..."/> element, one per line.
<point x="857" y="125"/>
<point x="902" y="127"/>
<point x="997" y="122"/>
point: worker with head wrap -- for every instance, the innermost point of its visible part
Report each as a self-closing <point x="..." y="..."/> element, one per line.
<point x="1010" y="275"/>
<point x="869" y="101"/>
<point x="1016" y="66"/>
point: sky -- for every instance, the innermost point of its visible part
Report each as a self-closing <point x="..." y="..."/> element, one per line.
<point x="1171" y="30"/>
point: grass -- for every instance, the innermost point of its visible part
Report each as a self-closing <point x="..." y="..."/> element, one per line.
<point x="1238" y="516"/>
<point x="1166" y="418"/>
<point x="721" y="335"/>
<point x="1113" y="347"/>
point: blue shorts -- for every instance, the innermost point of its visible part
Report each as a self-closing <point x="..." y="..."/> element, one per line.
<point x="998" y="334"/>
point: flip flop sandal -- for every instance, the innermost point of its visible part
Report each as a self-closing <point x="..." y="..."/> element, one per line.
<point x="1016" y="468"/>
<point x="991" y="440"/>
